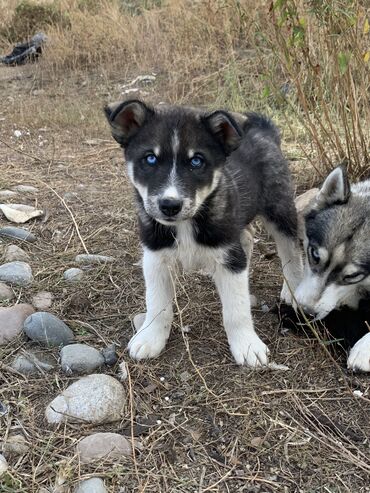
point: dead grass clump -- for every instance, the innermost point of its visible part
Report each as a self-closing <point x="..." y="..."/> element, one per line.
<point x="30" y="17"/>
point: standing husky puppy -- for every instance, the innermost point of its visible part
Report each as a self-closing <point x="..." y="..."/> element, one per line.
<point x="337" y="243"/>
<point x="200" y="179"/>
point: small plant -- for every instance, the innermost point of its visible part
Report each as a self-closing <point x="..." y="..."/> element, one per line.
<point x="321" y="51"/>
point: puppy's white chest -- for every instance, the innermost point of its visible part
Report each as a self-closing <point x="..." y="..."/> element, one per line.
<point x="193" y="256"/>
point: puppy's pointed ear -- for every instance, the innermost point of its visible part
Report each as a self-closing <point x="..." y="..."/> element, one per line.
<point x="335" y="189"/>
<point x="126" y="119"/>
<point x="224" y="128"/>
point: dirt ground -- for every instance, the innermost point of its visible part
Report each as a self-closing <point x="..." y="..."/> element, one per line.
<point x="205" y="425"/>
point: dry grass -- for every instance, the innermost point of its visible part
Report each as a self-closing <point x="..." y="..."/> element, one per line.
<point x="222" y="428"/>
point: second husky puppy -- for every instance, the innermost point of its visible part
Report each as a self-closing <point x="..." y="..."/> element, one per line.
<point x="200" y="179"/>
<point x="337" y="244"/>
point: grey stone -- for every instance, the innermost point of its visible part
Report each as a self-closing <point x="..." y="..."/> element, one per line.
<point x="17" y="233"/>
<point x="11" y="321"/>
<point x="15" y="445"/>
<point x="48" y="330"/>
<point x="33" y="362"/>
<point x="20" y="213"/>
<point x="25" y="189"/>
<point x="6" y="293"/>
<point x="94" y="259"/>
<point x="17" y="273"/>
<point x="42" y="300"/>
<point x="92" y="485"/>
<point x="14" y="253"/>
<point x="110" y="355"/>
<point x="73" y="274"/>
<point x="80" y="358"/>
<point x="103" y="445"/>
<point x="3" y="465"/>
<point x="7" y="194"/>
<point x="96" y="398"/>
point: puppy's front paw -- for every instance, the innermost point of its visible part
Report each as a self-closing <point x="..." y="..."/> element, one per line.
<point x="149" y="342"/>
<point x="359" y="356"/>
<point x="248" y="349"/>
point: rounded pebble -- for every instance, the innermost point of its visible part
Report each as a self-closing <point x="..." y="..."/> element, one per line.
<point x="48" y="330"/>
<point x="14" y="253"/>
<point x="42" y="300"/>
<point x="17" y="233"/>
<point x="6" y="292"/>
<point x="96" y="398"/>
<point x="11" y="321"/>
<point x="17" y="273"/>
<point x="15" y="444"/>
<point x="3" y="465"/>
<point x="73" y="275"/>
<point x="102" y="445"/>
<point x="110" y="355"/>
<point x="80" y="358"/>
<point x="33" y="362"/>
<point x="92" y="485"/>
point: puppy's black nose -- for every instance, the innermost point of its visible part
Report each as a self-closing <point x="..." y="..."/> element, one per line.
<point x="170" y="207"/>
<point x="309" y="310"/>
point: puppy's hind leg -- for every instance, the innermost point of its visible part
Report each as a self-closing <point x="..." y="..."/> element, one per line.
<point x="282" y="225"/>
<point x="151" y="338"/>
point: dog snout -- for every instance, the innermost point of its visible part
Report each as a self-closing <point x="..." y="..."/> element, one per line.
<point x="309" y="310"/>
<point x="170" y="207"/>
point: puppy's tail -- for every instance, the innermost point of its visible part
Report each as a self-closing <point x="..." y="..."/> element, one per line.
<point x="258" y="123"/>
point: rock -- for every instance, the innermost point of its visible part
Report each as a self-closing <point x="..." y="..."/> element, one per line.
<point x="42" y="300"/>
<point x="3" y="465"/>
<point x="25" y="189"/>
<point x="94" y="259"/>
<point x="14" y="253"/>
<point x="20" y="213"/>
<point x="94" y="399"/>
<point x="6" y="293"/>
<point x="253" y="301"/>
<point x="80" y="358"/>
<point x="7" y="194"/>
<point x="48" y="330"/>
<point x="34" y="362"/>
<point x="17" y="273"/>
<point x="15" y="444"/>
<point x="92" y="485"/>
<point x="110" y="355"/>
<point x="73" y="275"/>
<point x="103" y="445"/>
<point x="12" y="320"/>
<point x="3" y="409"/>
<point x="17" y="233"/>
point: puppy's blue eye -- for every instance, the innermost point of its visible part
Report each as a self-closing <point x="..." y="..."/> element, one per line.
<point x="314" y="254"/>
<point x="151" y="159"/>
<point x="196" y="162"/>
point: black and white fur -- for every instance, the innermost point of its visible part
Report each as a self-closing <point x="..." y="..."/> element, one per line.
<point x="200" y="179"/>
<point x="337" y="268"/>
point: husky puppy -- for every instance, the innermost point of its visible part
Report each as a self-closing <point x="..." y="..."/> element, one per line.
<point x="200" y="179"/>
<point x="337" y="245"/>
